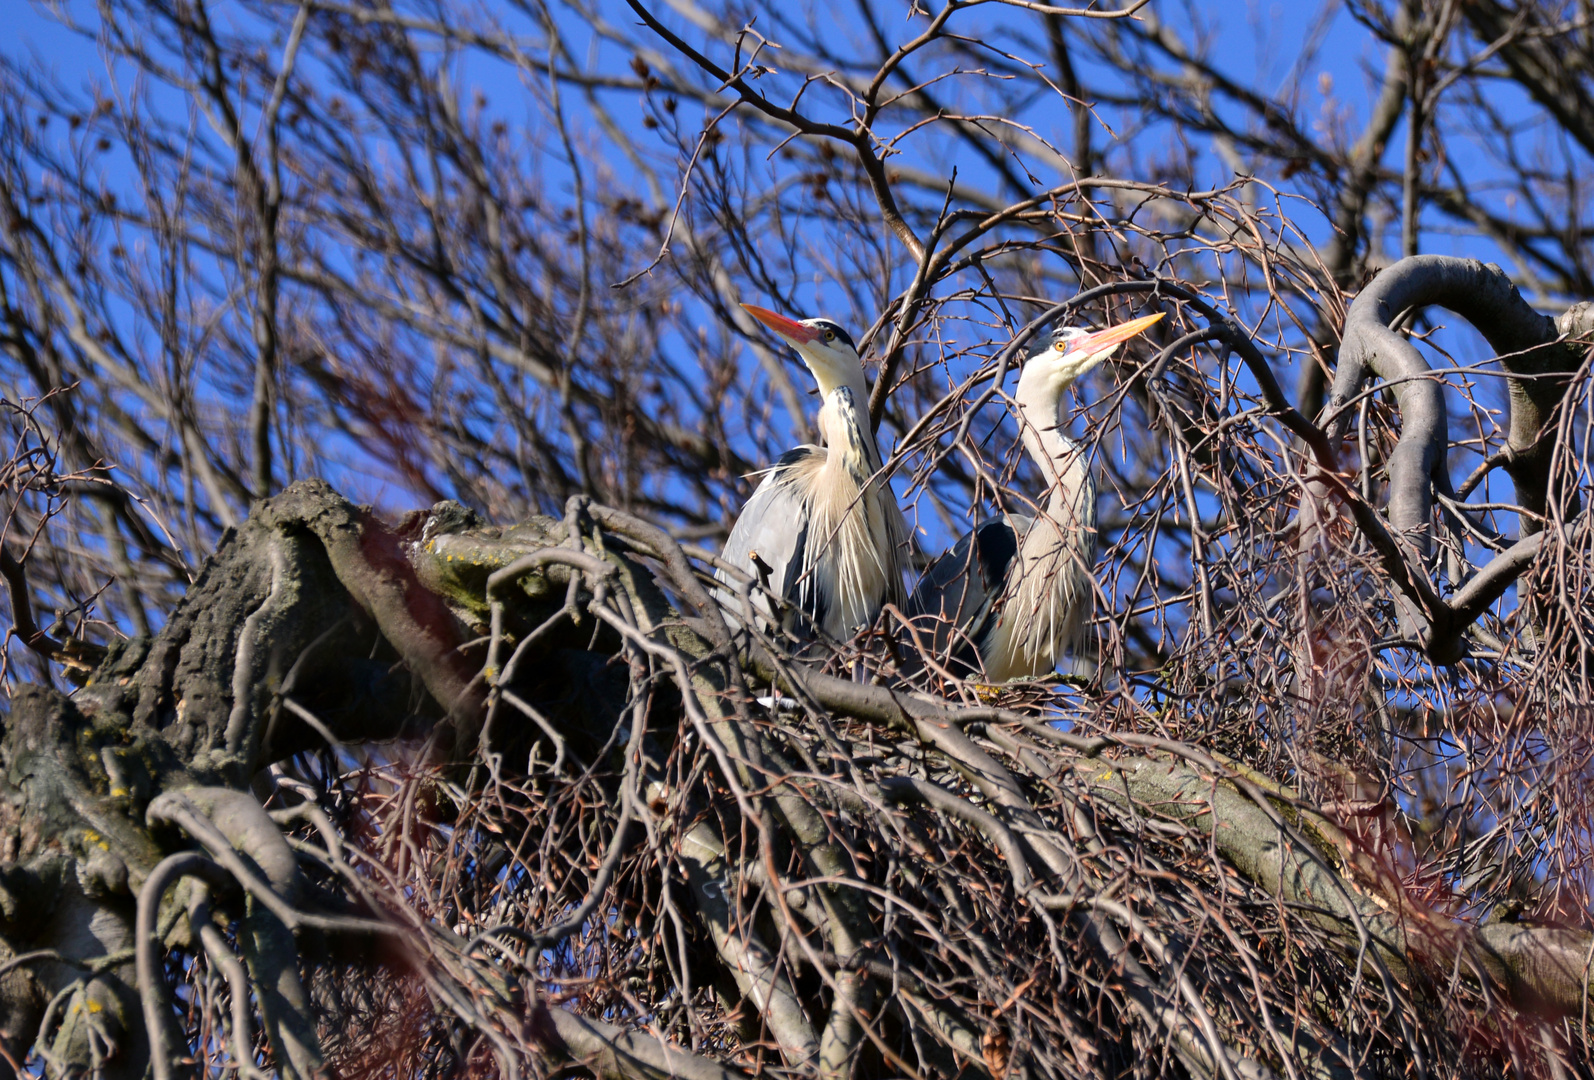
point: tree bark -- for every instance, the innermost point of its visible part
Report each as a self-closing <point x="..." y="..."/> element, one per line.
<point x="131" y="832"/>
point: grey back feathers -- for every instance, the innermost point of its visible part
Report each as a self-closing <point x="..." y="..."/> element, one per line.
<point x="770" y="538"/>
<point x="958" y="599"/>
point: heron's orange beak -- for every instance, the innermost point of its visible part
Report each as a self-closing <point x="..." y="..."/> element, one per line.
<point x="790" y="329"/>
<point x="1090" y="344"/>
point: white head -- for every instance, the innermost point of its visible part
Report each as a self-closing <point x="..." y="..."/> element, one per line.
<point x="1073" y="351"/>
<point x="825" y="347"/>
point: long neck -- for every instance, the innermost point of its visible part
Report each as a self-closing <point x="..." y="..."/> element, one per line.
<point x="855" y="508"/>
<point x="835" y="375"/>
<point x="1061" y="460"/>
<point x="844" y="425"/>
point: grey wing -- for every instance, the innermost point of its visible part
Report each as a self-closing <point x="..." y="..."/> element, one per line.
<point x="773" y="526"/>
<point x="959" y="592"/>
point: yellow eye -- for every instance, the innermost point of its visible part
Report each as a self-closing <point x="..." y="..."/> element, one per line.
<point x="830" y="335"/>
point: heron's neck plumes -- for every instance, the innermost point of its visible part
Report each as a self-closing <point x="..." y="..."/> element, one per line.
<point x="857" y="527"/>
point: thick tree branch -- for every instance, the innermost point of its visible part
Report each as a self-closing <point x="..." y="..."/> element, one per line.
<point x="1530" y="349"/>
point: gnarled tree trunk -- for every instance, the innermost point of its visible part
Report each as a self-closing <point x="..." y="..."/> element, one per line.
<point x="881" y="882"/>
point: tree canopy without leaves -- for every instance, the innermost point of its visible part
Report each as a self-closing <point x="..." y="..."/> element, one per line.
<point x="297" y="786"/>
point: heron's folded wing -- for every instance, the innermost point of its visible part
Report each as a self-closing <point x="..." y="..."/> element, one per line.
<point x="960" y="589"/>
<point x="770" y="537"/>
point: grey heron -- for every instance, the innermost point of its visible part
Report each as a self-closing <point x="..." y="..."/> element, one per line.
<point x="1013" y="593"/>
<point x="823" y="530"/>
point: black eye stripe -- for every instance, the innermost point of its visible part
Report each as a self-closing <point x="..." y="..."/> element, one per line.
<point x="841" y="335"/>
<point x="1064" y="335"/>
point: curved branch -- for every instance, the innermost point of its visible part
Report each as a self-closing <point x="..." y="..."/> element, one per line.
<point x="156" y="997"/>
<point x="1526" y="341"/>
<point x="1530" y="349"/>
<point x="22" y="621"/>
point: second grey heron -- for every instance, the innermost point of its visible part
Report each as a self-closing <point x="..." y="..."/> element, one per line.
<point x="1012" y="594"/>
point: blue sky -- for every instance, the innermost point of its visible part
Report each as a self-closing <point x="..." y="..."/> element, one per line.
<point x="1260" y="46"/>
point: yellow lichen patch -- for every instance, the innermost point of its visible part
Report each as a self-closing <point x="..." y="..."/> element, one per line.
<point x="987" y="693"/>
